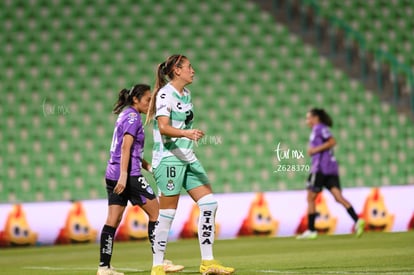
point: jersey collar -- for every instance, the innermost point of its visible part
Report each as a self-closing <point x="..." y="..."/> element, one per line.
<point x="176" y="93"/>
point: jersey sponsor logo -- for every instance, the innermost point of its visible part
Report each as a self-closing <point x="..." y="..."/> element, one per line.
<point x="207" y="227"/>
<point x="132" y="117"/>
<point x="189" y="117"/>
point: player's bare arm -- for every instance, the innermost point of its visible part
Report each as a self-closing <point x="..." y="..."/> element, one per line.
<point x="167" y="130"/>
<point x="330" y="143"/>
<point x="125" y="155"/>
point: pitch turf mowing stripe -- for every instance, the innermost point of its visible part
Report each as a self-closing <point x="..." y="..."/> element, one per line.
<point x="374" y="253"/>
<point x="329" y="272"/>
<point x="76" y="268"/>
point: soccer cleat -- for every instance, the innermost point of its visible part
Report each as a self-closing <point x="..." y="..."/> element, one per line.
<point x="157" y="270"/>
<point x="104" y="270"/>
<point x="359" y="227"/>
<point x="214" y="267"/>
<point x="169" y="267"/>
<point x="308" y="235"/>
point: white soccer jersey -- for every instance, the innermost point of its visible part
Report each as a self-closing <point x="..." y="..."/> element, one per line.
<point x="180" y="111"/>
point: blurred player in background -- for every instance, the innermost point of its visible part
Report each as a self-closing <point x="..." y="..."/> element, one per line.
<point x="175" y="164"/>
<point x="324" y="171"/>
<point x="124" y="180"/>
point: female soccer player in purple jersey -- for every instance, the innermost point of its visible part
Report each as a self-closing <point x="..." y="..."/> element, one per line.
<point x="124" y="180"/>
<point x="324" y="170"/>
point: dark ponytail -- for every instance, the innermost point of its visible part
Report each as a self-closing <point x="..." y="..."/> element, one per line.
<point x="322" y="115"/>
<point x="125" y="96"/>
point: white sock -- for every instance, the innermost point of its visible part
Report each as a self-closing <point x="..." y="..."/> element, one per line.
<point x="162" y="229"/>
<point x="206" y="225"/>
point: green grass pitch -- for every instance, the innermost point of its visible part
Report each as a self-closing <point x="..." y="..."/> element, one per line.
<point x="373" y="253"/>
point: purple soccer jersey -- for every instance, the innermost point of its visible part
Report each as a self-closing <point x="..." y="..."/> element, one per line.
<point x="128" y="122"/>
<point x="323" y="162"/>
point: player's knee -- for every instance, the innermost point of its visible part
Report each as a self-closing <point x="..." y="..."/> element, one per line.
<point x="153" y="216"/>
<point x="312" y="197"/>
<point x="340" y="199"/>
<point x="208" y="202"/>
<point x="167" y="213"/>
<point x="113" y="220"/>
<point x="152" y="210"/>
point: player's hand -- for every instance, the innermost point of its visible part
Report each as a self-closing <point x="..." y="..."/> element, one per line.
<point x="312" y="151"/>
<point x="120" y="185"/>
<point x="194" y="134"/>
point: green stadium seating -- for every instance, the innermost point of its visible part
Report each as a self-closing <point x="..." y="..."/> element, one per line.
<point x="384" y="24"/>
<point x="65" y="64"/>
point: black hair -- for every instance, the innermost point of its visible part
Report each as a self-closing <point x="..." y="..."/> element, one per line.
<point x="125" y="96"/>
<point x="322" y="115"/>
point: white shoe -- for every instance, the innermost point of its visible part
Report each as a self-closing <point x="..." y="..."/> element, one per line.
<point x="104" y="270"/>
<point x="308" y="235"/>
<point x="169" y="267"/>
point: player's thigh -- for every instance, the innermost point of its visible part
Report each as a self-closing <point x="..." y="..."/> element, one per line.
<point x="316" y="182"/>
<point x="200" y="191"/>
<point x="139" y="191"/>
<point x="115" y="213"/>
<point x="195" y="176"/>
<point x="196" y="181"/>
<point x="115" y="199"/>
<point x="152" y="208"/>
<point x="169" y="202"/>
<point x="332" y="181"/>
<point x="334" y="186"/>
<point x="311" y="196"/>
<point x="170" y="178"/>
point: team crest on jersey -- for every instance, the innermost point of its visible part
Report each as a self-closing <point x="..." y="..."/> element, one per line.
<point x="170" y="185"/>
<point x="132" y="117"/>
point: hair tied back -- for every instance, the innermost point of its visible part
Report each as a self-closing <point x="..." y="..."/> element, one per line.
<point x="131" y="90"/>
<point x="163" y="68"/>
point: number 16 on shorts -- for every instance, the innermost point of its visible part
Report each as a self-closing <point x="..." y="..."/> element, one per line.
<point x="170" y="174"/>
<point x="170" y="171"/>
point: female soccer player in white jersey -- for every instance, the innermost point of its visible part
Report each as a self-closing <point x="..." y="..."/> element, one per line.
<point x="324" y="171"/>
<point x="175" y="165"/>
